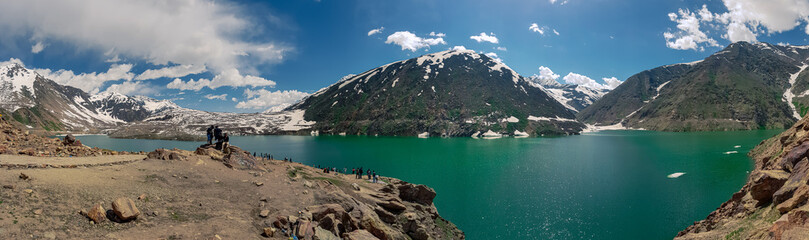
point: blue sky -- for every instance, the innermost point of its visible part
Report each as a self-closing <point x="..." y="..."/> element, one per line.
<point x="252" y="55"/>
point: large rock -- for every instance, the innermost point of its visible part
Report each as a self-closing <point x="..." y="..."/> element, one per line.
<point x="96" y="213"/>
<point x="320" y="211"/>
<point x="164" y="154"/>
<point x="69" y="140"/>
<point x="125" y="209"/>
<point x="323" y="234"/>
<point x="795" y="155"/>
<point x="393" y="205"/>
<point x="240" y="159"/>
<point x="766" y="183"/>
<point x="360" y="235"/>
<point x="208" y="150"/>
<point x="416" y="193"/>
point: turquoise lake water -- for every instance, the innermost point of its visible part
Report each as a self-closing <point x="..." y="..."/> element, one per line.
<point x="605" y="185"/>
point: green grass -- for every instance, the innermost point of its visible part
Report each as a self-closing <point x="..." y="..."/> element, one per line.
<point x="735" y="234"/>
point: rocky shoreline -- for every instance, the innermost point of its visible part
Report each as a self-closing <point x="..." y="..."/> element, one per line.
<point x="773" y="202"/>
<point x="204" y="194"/>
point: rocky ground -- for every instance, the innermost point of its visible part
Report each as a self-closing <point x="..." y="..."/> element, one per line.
<point x="206" y="194"/>
<point x="773" y="203"/>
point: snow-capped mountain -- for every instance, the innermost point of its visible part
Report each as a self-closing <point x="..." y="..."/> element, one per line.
<point x="41" y="104"/>
<point x="575" y="97"/>
<point x="449" y="93"/>
<point x="744" y="86"/>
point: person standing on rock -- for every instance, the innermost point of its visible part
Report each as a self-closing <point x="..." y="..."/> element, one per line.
<point x="217" y="133"/>
<point x="369" y="174"/>
<point x="225" y="143"/>
<point x="376" y="178"/>
<point x="210" y="134"/>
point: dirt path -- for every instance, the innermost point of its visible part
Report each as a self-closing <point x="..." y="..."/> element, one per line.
<point x="60" y="162"/>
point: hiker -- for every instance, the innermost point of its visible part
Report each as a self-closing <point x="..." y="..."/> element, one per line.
<point x="209" y="132"/>
<point x="369" y="174"/>
<point x="375" y="178"/>
<point x="217" y="133"/>
<point x="225" y="143"/>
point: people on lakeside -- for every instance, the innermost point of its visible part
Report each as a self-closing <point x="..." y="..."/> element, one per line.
<point x="376" y="179"/>
<point x="369" y="174"/>
<point x="209" y="132"/>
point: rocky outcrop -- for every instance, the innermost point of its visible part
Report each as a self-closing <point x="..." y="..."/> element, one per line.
<point x="398" y="210"/>
<point x="14" y="141"/>
<point x="232" y="157"/>
<point x="773" y="203"/>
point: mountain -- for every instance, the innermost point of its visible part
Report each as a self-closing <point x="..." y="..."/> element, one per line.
<point x="744" y="86"/>
<point x="449" y="93"/>
<point x="41" y="104"/>
<point x="575" y="97"/>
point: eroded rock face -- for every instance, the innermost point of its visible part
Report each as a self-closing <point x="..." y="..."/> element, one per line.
<point x="766" y="183"/>
<point x="15" y="141"/>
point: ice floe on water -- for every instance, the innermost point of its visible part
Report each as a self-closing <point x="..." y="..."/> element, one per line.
<point x="675" y="175"/>
<point x="424" y="135"/>
<point x="737" y="146"/>
<point x="731" y="152"/>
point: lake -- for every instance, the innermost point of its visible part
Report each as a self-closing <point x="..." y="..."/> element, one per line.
<point x="603" y="185"/>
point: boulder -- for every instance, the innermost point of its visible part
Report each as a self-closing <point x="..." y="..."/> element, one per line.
<point x="69" y="140"/>
<point x="359" y="235"/>
<point x="269" y="231"/>
<point x="125" y="209"/>
<point x="416" y="193"/>
<point x="797" y="180"/>
<point x="794" y="155"/>
<point x="240" y="159"/>
<point x="379" y="229"/>
<point x="96" y="213"/>
<point x="323" y="234"/>
<point x="264" y="213"/>
<point x="393" y="205"/>
<point x="766" y="183"/>
<point x="208" y="150"/>
<point x="355" y="186"/>
<point x="164" y="154"/>
<point x="320" y="211"/>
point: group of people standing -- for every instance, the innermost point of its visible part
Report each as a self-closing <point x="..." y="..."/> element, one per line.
<point x="371" y="174"/>
<point x="222" y="140"/>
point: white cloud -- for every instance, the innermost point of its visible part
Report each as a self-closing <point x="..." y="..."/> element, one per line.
<point x="483" y="37"/>
<point x="555" y="32"/>
<point x="581" y="80"/>
<point x="689" y="35"/>
<point x="89" y="82"/>
<point x="535" y="28"/>
<point x="546" y="73"/>
<point x="38" y="47"/>
<point x="375" y="31"/>
<point x="188" y="32"/>
<point x="222" y="97"/>
<point x="131" y="88"/>
<point x="263" y="99"/>
<point x="612" y="82"/>
<point x="12" y="61"/>
<point x="561" y="3"/>
<point x="434" y="34"/>
<point x="744" y="21"/>
<point x="409" y="41"/>
<point x="230" y="77"/>
<point x="459" y="48"/>
<point x="494" y="57"/>
<point x="233" y="99"/>
<point x="170" y="72"/>
<point x="502" y="49"/>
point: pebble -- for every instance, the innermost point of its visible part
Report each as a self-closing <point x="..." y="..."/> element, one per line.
<point x="38" y="212"/>
<point x="259" y="184"/>
<point x="28" y="191"/>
